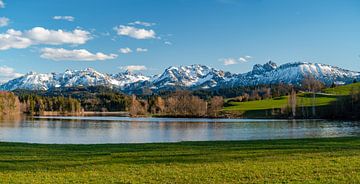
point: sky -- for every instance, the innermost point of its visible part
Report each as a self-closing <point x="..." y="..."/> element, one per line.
<point x="148" y="36"/>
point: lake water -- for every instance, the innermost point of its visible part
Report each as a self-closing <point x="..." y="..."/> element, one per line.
<point x="95" y="130"/>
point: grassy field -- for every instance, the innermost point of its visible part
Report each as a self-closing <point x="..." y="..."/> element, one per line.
<point x="304" y="99"/>
<point x="331" y="160"/>
<point x="343" y="90"/>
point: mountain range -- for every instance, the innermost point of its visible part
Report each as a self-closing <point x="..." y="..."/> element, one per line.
<point x="185" y="77"/>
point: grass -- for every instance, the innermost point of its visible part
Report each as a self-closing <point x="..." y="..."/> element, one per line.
<point x="304" y="99"/>
<point x="343" y="90"/>
<point x="327" y="160"/>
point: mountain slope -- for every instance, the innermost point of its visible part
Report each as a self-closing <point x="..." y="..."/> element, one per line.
<point x="294" y="73"/>
<point x="185" y="77"/>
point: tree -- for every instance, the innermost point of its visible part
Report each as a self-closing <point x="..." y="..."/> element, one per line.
<point x="158" y="105"/>
<point x="182" y="103"/>
<point x="9" y="104"/>
<point x="137" y="107"/>
<point x="292" y="102"/>
<point x="312" y="85"/>
<point x="216" y="104"/>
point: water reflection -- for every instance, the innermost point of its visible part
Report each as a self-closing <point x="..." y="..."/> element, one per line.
<point x="91" y="130"/>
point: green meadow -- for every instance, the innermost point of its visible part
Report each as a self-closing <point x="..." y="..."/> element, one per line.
<point x="343" y="90"/>
<point x="325" y="160"/>
<point x="303" y="99"/>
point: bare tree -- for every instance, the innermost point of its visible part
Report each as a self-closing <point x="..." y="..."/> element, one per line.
<point x="312" y="85"/>
<point x="137" y="107"/>
<point x="216" y="104"/>
<point x="354" y="94"/>
<point x="182" y="103"/>
<point x="292" y="102"/>
<point x="158" y="105"/>
<point x="9" y="104"/>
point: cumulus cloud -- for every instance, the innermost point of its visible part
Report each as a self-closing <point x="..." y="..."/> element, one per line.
<point x="125" y="50"/>
<point x="60" y="54"/>
<point x="7" y="73"/>
<point x="146" y="24"/>
<point x="134" y="32"/>
<point x="14" y="39"/>
<point x="67" y="18"/>
<point x="39" y="35"/>
<point x="134" y="68"/>
<point x="167" y="43"/>
<point x="2" y="4"/>
<point x="4" y="21"/>
<point x="141" y="50"/>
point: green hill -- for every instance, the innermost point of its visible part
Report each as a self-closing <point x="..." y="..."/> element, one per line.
<point x="343" y="90"/>
<point x="303" y="100"/>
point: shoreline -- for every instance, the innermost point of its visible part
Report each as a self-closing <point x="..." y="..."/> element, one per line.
<point x="85" y="113"/>
<point x="195" y="142"/>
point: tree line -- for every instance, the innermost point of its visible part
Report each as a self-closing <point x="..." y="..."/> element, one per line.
<point x="36" y="105"/>
<point x="9" y="104"/>
<point x="176" y="104"/>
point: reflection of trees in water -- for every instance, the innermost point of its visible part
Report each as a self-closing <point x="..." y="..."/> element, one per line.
<point x="11" y="120"/>
<point x="177" y="130"/>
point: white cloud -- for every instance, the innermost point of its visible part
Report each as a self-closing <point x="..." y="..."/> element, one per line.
<point x="7" y="73"/>
<point x="14" y="39"/>
<point x="167" y="43"/>
<point x="125" y="50"/>
<point x="228" y="61"/>
<point x="2" y="4"/>
<point x="39" y="35"/>
<point x="4" y="21"/>
<point x="67" y="18"/>
<point x="233" y="61"/>
<point x="146" y="24"/>
<point x="74" y="55"/>
<point x="141" y="50"/>
<point x="134" y="32"/>
<point x="134" y="68"/>
<point x="244" y="59"/>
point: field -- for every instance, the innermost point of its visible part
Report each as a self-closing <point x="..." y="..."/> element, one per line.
<point x="330" y="160"/>
<point x="343" y="90"/>
<point x="257" y="108"/>
<point x="303" y="99"/>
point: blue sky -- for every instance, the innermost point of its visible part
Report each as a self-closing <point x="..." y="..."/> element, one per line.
<point x="148" y="36"/>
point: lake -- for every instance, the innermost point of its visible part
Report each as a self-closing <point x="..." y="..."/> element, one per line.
<point x="97" y="130"/>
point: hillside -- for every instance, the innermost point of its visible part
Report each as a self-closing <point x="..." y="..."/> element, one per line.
<point x="343" y="90"/>
<point x="304" y="102"/>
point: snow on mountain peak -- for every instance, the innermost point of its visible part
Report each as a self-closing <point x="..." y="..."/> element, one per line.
<point x="191" y="76"/>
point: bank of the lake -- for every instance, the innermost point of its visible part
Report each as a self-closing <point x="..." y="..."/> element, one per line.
<point x="324" y="160"/>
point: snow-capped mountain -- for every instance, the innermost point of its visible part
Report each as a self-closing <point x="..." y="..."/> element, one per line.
<point x="191" y="76"/>
<point x="293" y="73"/>
<point x="71" y="78"/>
<point x="185" y="77"/>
